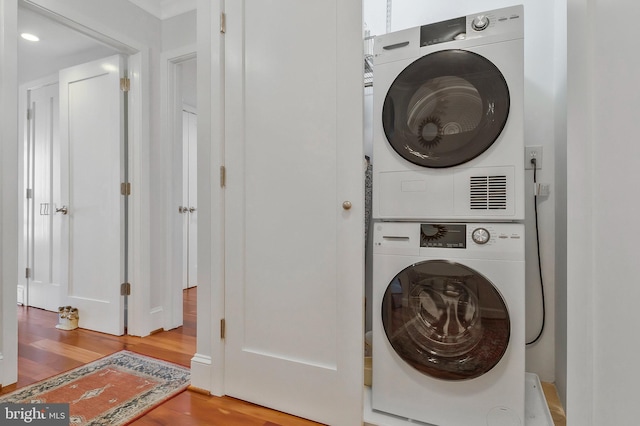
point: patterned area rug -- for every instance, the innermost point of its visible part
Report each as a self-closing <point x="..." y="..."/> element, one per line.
<point x="110" y="391"/>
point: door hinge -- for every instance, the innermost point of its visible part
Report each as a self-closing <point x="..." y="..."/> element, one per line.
<point x="27" y="273"/>
<point x="223" y="23"/>
<point x="125" y="188"/>
<point x="223" y="328"/>
<point x="223" y="176"/>
<point x="125" y="84"/>
<point x="29" y="193"/>
<point x="125" y="289"/>
<point x="28" y="113"/>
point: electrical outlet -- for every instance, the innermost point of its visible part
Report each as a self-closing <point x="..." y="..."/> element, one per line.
<point x="532" y="152"/>
<point x="541" y="189"/>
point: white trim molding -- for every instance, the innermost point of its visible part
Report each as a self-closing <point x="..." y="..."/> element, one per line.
<point x="201" y="371"/>
<point x="8" y="191"/>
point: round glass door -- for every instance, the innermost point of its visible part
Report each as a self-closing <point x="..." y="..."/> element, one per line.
<point x="446" y="108"/>
<point x="446" y="320"/>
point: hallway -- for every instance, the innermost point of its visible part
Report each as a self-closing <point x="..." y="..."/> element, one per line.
<point x="44" y="350"/>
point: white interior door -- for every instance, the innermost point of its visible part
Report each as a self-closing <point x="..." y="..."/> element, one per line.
<point x="190" y="202"/>
<point x="43" y="186"/>
<point x="294" y="213"/>
<point x="91" y="135"/>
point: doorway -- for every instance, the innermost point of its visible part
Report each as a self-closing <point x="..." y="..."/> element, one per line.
<point x="46" y="245"/>
<point x="89" y="46"/>
<point x="187" y="78"/>
<point x="44" y="212"/>
<point x="149" y="242"/>
<point x="180" y="81"/>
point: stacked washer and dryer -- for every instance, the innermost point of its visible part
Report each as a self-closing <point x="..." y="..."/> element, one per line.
<point x="448" y="205"/>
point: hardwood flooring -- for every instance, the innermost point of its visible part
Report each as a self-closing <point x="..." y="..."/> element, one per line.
<point x="555" y="406"/>
<point x="44" y="351"/>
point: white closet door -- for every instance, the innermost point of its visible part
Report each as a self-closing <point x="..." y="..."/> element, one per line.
<point x="190" y="199"/>
<point x="294" y="254"/>
<point x="91" y="129"/>
<point x="44" y="225"/>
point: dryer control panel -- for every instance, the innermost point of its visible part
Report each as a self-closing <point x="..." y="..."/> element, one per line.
<point x="443" y="235"/>
<point x="494" y="21"/>
<point x="441" y="32"/>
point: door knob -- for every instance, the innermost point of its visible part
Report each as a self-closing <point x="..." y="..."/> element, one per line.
<point x="62" y="210"/>
<point x="192" y="209"/>
<point x="346" y="205"/>
<point x="182" y="209"/>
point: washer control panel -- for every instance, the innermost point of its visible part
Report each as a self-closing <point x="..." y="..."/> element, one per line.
<point x="486" y="240"/>
<point x="441" y="235"/>
<point x="480" y="236"/>
<point x="462" y="235"/>
<point x="488" y="234"/>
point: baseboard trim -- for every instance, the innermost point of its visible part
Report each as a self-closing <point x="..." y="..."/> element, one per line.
<point x="195" y="390"/>
<point x="156" y="317"/>
<point x="201" y="372"/>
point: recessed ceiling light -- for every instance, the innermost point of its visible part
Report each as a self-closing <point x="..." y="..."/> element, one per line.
<point x="30" y="37"/>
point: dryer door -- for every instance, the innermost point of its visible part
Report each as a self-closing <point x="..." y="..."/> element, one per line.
<point x="446" y="320"/>
<point x="446" y="108"/>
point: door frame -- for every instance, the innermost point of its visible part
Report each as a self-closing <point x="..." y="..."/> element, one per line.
<point x="9" y="191"/>
<point x="139" y="201"/>
<point x="205" y="374"/>
<point x="171" y="113"/>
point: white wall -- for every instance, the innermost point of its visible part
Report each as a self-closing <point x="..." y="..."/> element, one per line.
<point x="603" y="210"/>
<point x="542" y="78"/>
<point x="179" y="31"/>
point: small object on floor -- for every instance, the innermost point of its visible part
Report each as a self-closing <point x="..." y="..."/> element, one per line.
<point x="67" y="318"/>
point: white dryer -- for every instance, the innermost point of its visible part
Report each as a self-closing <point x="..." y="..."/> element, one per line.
<point x="448" y="117"/>
<point x="448" y="322"/>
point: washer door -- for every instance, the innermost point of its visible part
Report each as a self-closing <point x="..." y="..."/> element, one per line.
<point x="446" y="108"/>
<point x="446" y="320"/>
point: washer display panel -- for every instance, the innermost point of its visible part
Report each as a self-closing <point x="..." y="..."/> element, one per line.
<point x="446" y="320"/>
<point x="446" y="108"/>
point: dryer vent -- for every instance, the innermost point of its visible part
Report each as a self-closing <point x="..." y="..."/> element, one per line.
<point x="488" y="192"/>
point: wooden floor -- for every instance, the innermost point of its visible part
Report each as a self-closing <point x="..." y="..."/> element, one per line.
<point x="555" y="406"/>
<point x="44" y="351"/>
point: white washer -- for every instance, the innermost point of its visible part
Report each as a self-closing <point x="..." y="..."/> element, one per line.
<point x="448" y="117"/>
<point x="448" y="322"/>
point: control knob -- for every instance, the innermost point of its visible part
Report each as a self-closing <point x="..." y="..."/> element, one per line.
<point x="480" y="22"/>
<point x="480" y="236"/>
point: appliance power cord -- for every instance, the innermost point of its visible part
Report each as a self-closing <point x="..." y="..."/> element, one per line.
<point x="544" y="309"/>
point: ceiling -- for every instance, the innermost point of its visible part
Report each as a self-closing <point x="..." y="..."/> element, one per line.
<point x="61" y="46"/>
<point x="58" y="47"/>
<point x="163" y="9"/>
